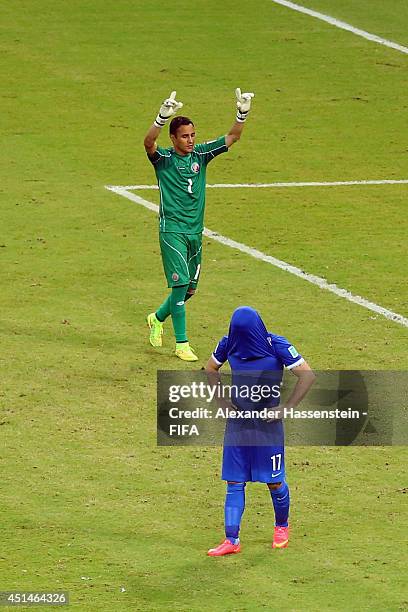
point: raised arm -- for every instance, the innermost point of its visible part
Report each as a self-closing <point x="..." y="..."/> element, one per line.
<point x="150" y="139"/>
<point x="243" y="108"/>
<point x="169" y="107"/>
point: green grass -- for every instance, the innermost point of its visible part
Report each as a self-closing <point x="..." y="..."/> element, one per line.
<point x="89" y="503"/>
<point x="383" y="19"/>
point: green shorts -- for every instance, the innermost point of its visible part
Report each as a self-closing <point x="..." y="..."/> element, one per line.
<point x="181" y="256"/>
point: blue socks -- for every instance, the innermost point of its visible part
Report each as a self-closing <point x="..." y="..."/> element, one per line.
<point x="235" y="506"/>
<point x="234" y="509"/>
<point x="281" y="502"/>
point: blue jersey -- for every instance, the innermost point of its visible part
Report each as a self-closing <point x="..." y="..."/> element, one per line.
<point x="283" y="354"/>
<point x="259" y="372"/>
<point x="253" y="448"/>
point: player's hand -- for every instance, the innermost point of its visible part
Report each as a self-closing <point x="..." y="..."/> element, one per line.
<point x="278" y="412"/>
<point x="243" y="104"/>
<point x="169" y="108"/>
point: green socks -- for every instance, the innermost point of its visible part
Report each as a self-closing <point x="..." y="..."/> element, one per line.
<point x="164" y="310"/>
<point x="174" y="305"/>
<point x="178" y="312"/>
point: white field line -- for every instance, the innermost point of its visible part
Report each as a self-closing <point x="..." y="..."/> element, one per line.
<point x="342" y="25"/>
<point x="311" y="278"/>
<point x="258" y="185"/>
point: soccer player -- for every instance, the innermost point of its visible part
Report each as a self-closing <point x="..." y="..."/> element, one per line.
<point x="181" y="175"/>
<point x="254" y="449"/>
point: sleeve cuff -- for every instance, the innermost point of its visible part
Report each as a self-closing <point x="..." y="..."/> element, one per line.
<point x="216" y="360"/>
<point x="297" y="363"/>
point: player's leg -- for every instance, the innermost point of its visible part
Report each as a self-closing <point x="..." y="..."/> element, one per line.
<point x="279" y="491"/>
<point x="235" y="471"/>
<point x="181" y="255"/>
<point x="194" y="263"/>
<point x="233" y="510"/>
<point x="174" y="305"/>
<point x="165" y="309"/>
<point x="169" y="307"/>
<point x="174" y="251"/>
<point x="281" y="503"/>
<point x="178" y="313"/>
<point x="277" y="485"/>
<point x="156" y="319"/>
<point x="156" y="329"/>
<point x="183" y="348"/>
<point x="178" y="317"/>
<point x="269" y="467"/>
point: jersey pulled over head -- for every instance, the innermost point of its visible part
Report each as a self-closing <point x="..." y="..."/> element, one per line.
<point x="248" y="336"/>
<point x="256" y="357"/>
<point x="250" y="346"/>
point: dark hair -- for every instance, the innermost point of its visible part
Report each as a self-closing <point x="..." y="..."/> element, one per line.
<point x="178" y="122"/>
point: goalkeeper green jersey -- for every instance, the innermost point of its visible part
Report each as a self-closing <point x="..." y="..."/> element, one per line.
<point x="181" y="180"/>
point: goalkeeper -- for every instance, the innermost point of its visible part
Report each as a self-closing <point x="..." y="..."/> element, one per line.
<point x="181" y="175"/>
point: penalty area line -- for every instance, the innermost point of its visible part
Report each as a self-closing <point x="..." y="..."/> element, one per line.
<point x="343" y="25"/>
<point x="311" y="278"/>
<point x="264" y="185"/>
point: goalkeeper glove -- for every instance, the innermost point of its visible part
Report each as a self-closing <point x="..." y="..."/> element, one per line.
<point x="243" y="104"/>
<point x="167" y="109"/>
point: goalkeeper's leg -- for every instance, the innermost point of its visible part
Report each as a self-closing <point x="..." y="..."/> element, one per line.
<point x="156" y="319"/>
<point x="178" y="312"/>
<point x="174" y="305"/>
<point x="155" y="322"/>
<point x="178" y="317"/>
<point x="175" y="255"/>
<point x="164" y="309"/>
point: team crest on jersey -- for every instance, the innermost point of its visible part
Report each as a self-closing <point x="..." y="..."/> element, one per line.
<point x="175" y="276"/>
<point x="195" y="167"/>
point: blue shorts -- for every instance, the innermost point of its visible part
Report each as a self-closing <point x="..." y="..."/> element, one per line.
<point x="255" y="463"/>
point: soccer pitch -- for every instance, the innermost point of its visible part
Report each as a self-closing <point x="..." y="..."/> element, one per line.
<point x="90" y="504"/>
